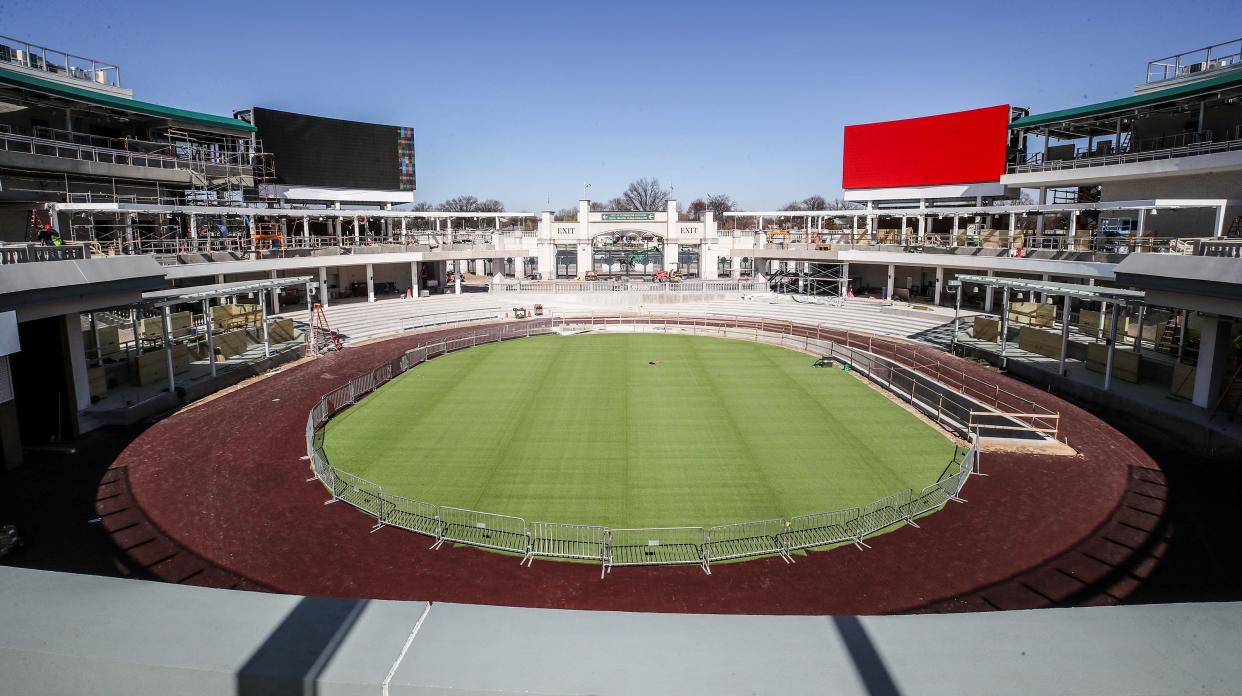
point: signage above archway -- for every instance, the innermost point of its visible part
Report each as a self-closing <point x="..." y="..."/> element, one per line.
<point x="626" y="217"/>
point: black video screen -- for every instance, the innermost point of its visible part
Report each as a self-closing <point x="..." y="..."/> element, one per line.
<point x="318" y="151"/>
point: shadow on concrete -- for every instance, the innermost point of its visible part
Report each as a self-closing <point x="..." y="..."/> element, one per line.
<point x="296" y="653"/>
<point x="870" y="666"/>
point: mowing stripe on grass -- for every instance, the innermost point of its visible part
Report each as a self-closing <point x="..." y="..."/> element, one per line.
<point x="583" y="430"/>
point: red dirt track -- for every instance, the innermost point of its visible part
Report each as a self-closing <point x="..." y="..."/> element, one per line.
<point x="218" y="494"/>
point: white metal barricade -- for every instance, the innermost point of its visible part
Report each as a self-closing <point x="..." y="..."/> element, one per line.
<point x="556" y="540"/>
<point x="819" y="529"/>
<point x="657" y="546"/>
<point x="743" y="539"/>
<point x="485" y="529"/>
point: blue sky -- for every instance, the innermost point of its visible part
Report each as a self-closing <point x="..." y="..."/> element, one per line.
<point x="523" y="101"/>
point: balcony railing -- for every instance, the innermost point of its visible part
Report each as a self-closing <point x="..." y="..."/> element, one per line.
<point x="1038" y="164"/>
<point x="36" y="57"/>
<point x="1228" y="248"/>
<point x="33" y="253"/>
<point x="1200" y="60"/>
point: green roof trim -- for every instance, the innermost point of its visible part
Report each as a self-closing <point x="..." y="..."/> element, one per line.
<point x="1228" y="79"/>
<point x="108" y="100"/>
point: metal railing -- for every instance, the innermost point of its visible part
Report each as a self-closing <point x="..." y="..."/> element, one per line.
<point x="1188" y="150"/>
<point x="33" y="253"/>
<point x="36" y="57"/>
<point x="1206" y="59"/>
<point x="1230" y="249"/>
<point x="605" y="286"/>
<point x="636" y="546"/>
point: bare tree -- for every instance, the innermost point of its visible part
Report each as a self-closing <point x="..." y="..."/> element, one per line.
<point x="696" y="209"/>
<point x="618" y="203"/>
<point x="460" y="204"/>
<point x="842" y="204"/>
<point x="646" y="194"/>
<point x="422" y="207"/>
<point x="566" y="215"/>
<point x="491" y="205"/>
<point x="815" y="202"/>
<point x="720" y="204"/>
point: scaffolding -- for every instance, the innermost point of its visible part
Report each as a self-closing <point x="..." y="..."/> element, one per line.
<point x="817" y="283"/>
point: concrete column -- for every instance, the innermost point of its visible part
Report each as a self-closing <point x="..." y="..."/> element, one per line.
<point x="939" y="283"/>
<point x="357" y="230"/>
<point x="211" y="339"/>
<point x="1065" y="326"/>
<point x="1004" y="324"/>
<point x="1142" y="227"/>
<point x="336" y="227"/>
<point x="671" y="252"/>
<point x="1214" y="351"/>
<point x="267" y="343"/>
<point x="130" y="242"/>
<point x="77" y="361"/>
<point x="1013" y="228"/>
<point x="989" y="293"/>
<point x="892" y="274"/>
<point x="922" y="229"/>
<point x="370" y="282"/>
<point x="585" y="259"/>
<point x="323" y="286"/>
<point x="871" y="229"/>
<point x="306" y="235"/>
<point x="953" y="238"/>
<point x="456" y="277"/>
<point x="275" y="294"/>
<point x="1072" y="232"/>
<point x="1039" y="220"/>
<point x="1112" y="345"/>
<point x="413" y="277"/>
<point x="168" y="348"/>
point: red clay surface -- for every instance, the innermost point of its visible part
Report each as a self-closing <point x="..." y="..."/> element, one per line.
<point x="218" y="495"/>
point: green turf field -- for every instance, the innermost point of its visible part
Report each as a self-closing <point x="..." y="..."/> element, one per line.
<point x="581" y="429"/>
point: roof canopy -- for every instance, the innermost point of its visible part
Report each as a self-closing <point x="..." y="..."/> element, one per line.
<point x="1229" y="79"/>
<point x="160" y="298"/>
<point x="132" y="105"/>
<point x="1083" y="292"/>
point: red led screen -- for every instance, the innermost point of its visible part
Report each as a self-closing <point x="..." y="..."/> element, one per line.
<point x="959" y="148"/>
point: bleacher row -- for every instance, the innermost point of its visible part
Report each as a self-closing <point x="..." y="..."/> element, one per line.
<point x="609" y="547"/>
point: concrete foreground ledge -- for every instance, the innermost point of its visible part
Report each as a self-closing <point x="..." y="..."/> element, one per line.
<point x="67" y="633"/>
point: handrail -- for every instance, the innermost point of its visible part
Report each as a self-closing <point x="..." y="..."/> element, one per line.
<point x="35" y="57"/>
<point x="582" y="541"/>
<point x="1201" y="148"/>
